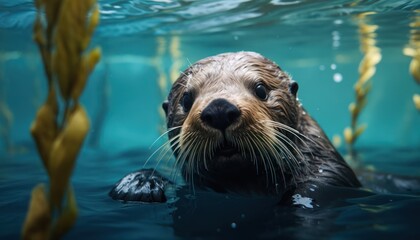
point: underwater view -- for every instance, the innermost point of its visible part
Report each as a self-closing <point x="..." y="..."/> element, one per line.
<point x="82" y="84"/>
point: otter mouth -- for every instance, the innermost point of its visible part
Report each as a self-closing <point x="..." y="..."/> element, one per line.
<point x="226" y="150"/>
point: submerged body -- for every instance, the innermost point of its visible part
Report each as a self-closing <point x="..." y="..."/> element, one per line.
<point x="235" y="124"/>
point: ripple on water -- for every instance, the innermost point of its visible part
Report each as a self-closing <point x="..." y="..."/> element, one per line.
<point x="162" y="17"/>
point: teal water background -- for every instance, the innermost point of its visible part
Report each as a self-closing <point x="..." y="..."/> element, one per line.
<point x="317" y="42"/>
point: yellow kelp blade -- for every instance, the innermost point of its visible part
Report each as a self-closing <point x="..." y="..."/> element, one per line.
<point x="64" y="152"/>
<point x="38" y="219"/>
<point x="44" y="130"/>
<point x="89" y="61"/>
<point x="67" y="218"/>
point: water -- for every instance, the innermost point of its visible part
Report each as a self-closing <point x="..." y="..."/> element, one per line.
<point x="317" y="42"/>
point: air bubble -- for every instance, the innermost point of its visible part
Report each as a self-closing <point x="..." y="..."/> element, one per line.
<point x="337" y="77"/>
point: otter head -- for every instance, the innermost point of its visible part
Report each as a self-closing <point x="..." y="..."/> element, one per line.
<point x="232" y="121"/>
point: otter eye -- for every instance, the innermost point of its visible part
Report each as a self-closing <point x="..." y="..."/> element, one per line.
<point x="261" y="92"/>
<point x="187" y="101"/>
<point x="293" y="88"/>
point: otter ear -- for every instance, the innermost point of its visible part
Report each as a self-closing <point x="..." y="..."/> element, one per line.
<point x="165" y="107"/>
<point x="293" y="87"/>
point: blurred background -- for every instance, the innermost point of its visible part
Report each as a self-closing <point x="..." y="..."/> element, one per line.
<point x="145" y="42"/>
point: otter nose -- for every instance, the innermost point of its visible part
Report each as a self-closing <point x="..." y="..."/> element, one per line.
<point x="220" y="114"/>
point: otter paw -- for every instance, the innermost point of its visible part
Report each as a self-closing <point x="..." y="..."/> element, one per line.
<point x="145" y="185"/>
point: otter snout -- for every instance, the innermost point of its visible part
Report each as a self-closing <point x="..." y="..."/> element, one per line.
<point x="220" y="114"/>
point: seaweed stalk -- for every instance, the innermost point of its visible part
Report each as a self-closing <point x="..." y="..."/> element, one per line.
<point x="367" y="68"/>
<point x="174" y="50"/>
<point x="413" y="50"/>
<point x="62" y="38"/>
<point x="165" y="79"/>
<point x="162" y="80"/>
<point x="6" y="114"/>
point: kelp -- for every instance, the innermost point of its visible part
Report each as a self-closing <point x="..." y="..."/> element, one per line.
<point x="6" y="114"/>
<point x="165" y="80"/>
<point x="367" y="69"/>
<point x="62" y="31"/>
<point x="413" y="50"/>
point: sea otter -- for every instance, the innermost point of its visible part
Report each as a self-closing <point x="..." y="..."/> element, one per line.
<point x="235" y="124"/>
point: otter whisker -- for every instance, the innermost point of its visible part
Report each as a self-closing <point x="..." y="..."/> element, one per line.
<point x="196" y="157"/>
<point x="251" y="149"/>
<point x="289" y="142"/>
<point x="174" y="164"/>
<point x="174" y="141"/>
<point x="285" y="154"/>
<point x="193" y="148"/>
<point x="289" y="155"/>
<point x="165" y="133"/>
<point x="206" y="145"/>
<point x="182" y="155"/>
<point x="176" y="168"/>
<point x="163" y="148"/>
<point x="278" y="158"/>
<point x="241" y="143"/>
<point x="245" y="148"/>
<point x="188" y="156"/>
<point x="293" y="131"/>
<point x="290" y="130"/>
<point x="269" y="160"/>
<point x="297" y="160"/>
<point x="209" y="150"/>
<point x="164" y="152"/>
<point x="271" y="154"/>
<point x="284" y="127"/>
<point x="257" y="146"/>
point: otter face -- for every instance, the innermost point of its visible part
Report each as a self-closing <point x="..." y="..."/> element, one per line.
<point x="235" y="112"/>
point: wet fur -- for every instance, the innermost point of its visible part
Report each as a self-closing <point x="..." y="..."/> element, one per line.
<point x="291" y="149"/>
